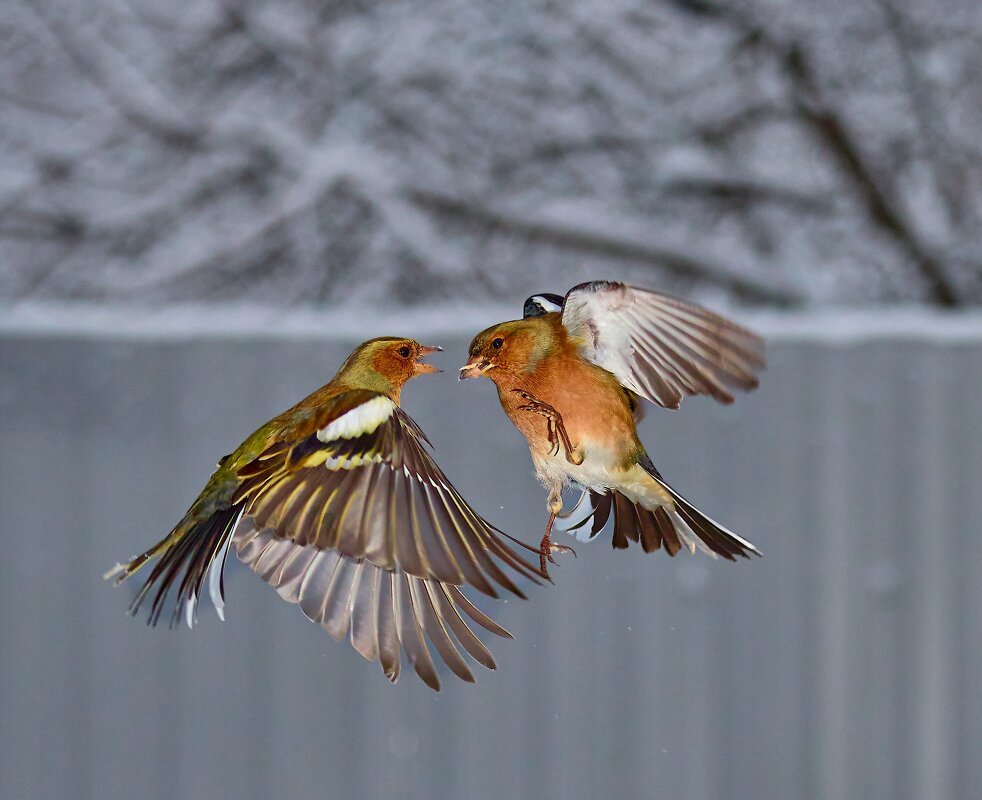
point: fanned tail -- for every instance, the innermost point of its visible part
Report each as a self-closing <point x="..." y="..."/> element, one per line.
<point x="712" y="537"/>
<point x="685" y="526"/>
<point x="194" y="549"/>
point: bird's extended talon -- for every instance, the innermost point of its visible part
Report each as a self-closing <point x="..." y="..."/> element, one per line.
<point x="547" y="557"/>
<point x="543" y="570"/>
<point x="546" y="548"/>
<point x="561" y="548"/>
<point x="558" y="548"/>
<point x="553" y="437"/>
<point x="556" y="433"/>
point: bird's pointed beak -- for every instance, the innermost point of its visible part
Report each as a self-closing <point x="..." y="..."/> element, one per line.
<point x="421" y="368"/>
<point x="474" y="368"/>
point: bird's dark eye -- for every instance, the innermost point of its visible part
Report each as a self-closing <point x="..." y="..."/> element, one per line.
<point x="404" y="351"/>
<point x="496" y="344"/>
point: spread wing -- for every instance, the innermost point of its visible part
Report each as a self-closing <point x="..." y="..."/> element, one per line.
<point x="659" y="346"/>
<point x="356" y="523"/>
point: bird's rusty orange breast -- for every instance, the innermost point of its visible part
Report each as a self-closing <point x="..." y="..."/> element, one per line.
<point x="590" y="399"/>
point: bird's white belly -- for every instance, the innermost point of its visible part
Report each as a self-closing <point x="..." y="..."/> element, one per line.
<point x="601" y="470"/>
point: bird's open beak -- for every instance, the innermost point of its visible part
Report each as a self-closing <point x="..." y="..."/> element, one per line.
<point x="474" y="368"/>
<point x="420" y="368"/>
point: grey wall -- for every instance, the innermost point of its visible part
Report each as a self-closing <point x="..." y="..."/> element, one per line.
<point x="846" y="663"/>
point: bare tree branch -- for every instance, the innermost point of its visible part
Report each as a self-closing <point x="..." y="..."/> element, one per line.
<point x="116" y="82"/>
<point x="930" y="118"/>
<point x="678" y="261"/>
<point x="874" y="187"/>
<point x="815" y="108"/>
<point x="259" y="151"/>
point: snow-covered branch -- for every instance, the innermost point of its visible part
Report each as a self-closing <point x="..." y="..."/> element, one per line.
<point x="593" y="231"/>
<point x="283" y="153"/>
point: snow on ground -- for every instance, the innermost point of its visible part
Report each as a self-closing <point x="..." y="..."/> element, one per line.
<point x="827" y="325"/>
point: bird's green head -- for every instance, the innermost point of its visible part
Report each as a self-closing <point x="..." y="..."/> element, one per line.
<point x="385" y="364"/>
<point x="515" y="346"/>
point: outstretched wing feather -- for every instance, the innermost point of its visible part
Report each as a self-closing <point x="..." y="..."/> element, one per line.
<point x="365" y="533"/>
<point x="659" y="346"/>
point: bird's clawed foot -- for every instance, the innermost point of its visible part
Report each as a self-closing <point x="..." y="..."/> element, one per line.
<point x="546" y="548"/>
<point x="556" y="428"/>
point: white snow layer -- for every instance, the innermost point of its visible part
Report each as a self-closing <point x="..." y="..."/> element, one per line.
<point x="829" y="325"/>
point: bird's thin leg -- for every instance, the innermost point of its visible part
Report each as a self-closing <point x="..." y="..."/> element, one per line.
<point x="547" y="546"/>
<point x="556" y="428"/>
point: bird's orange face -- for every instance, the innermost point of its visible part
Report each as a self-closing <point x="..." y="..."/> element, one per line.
<point x="384" y="365"/>
<point x="506" y="346"/>
<point x="401" y="359"/>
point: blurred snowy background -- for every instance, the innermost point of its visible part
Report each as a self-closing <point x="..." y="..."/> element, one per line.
<point x="292" y="152"/>
<point x="211" y="163"/>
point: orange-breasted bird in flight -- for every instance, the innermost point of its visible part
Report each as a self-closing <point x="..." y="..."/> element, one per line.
<point x="338" y="504"/>
<point x="571" y="375"/>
